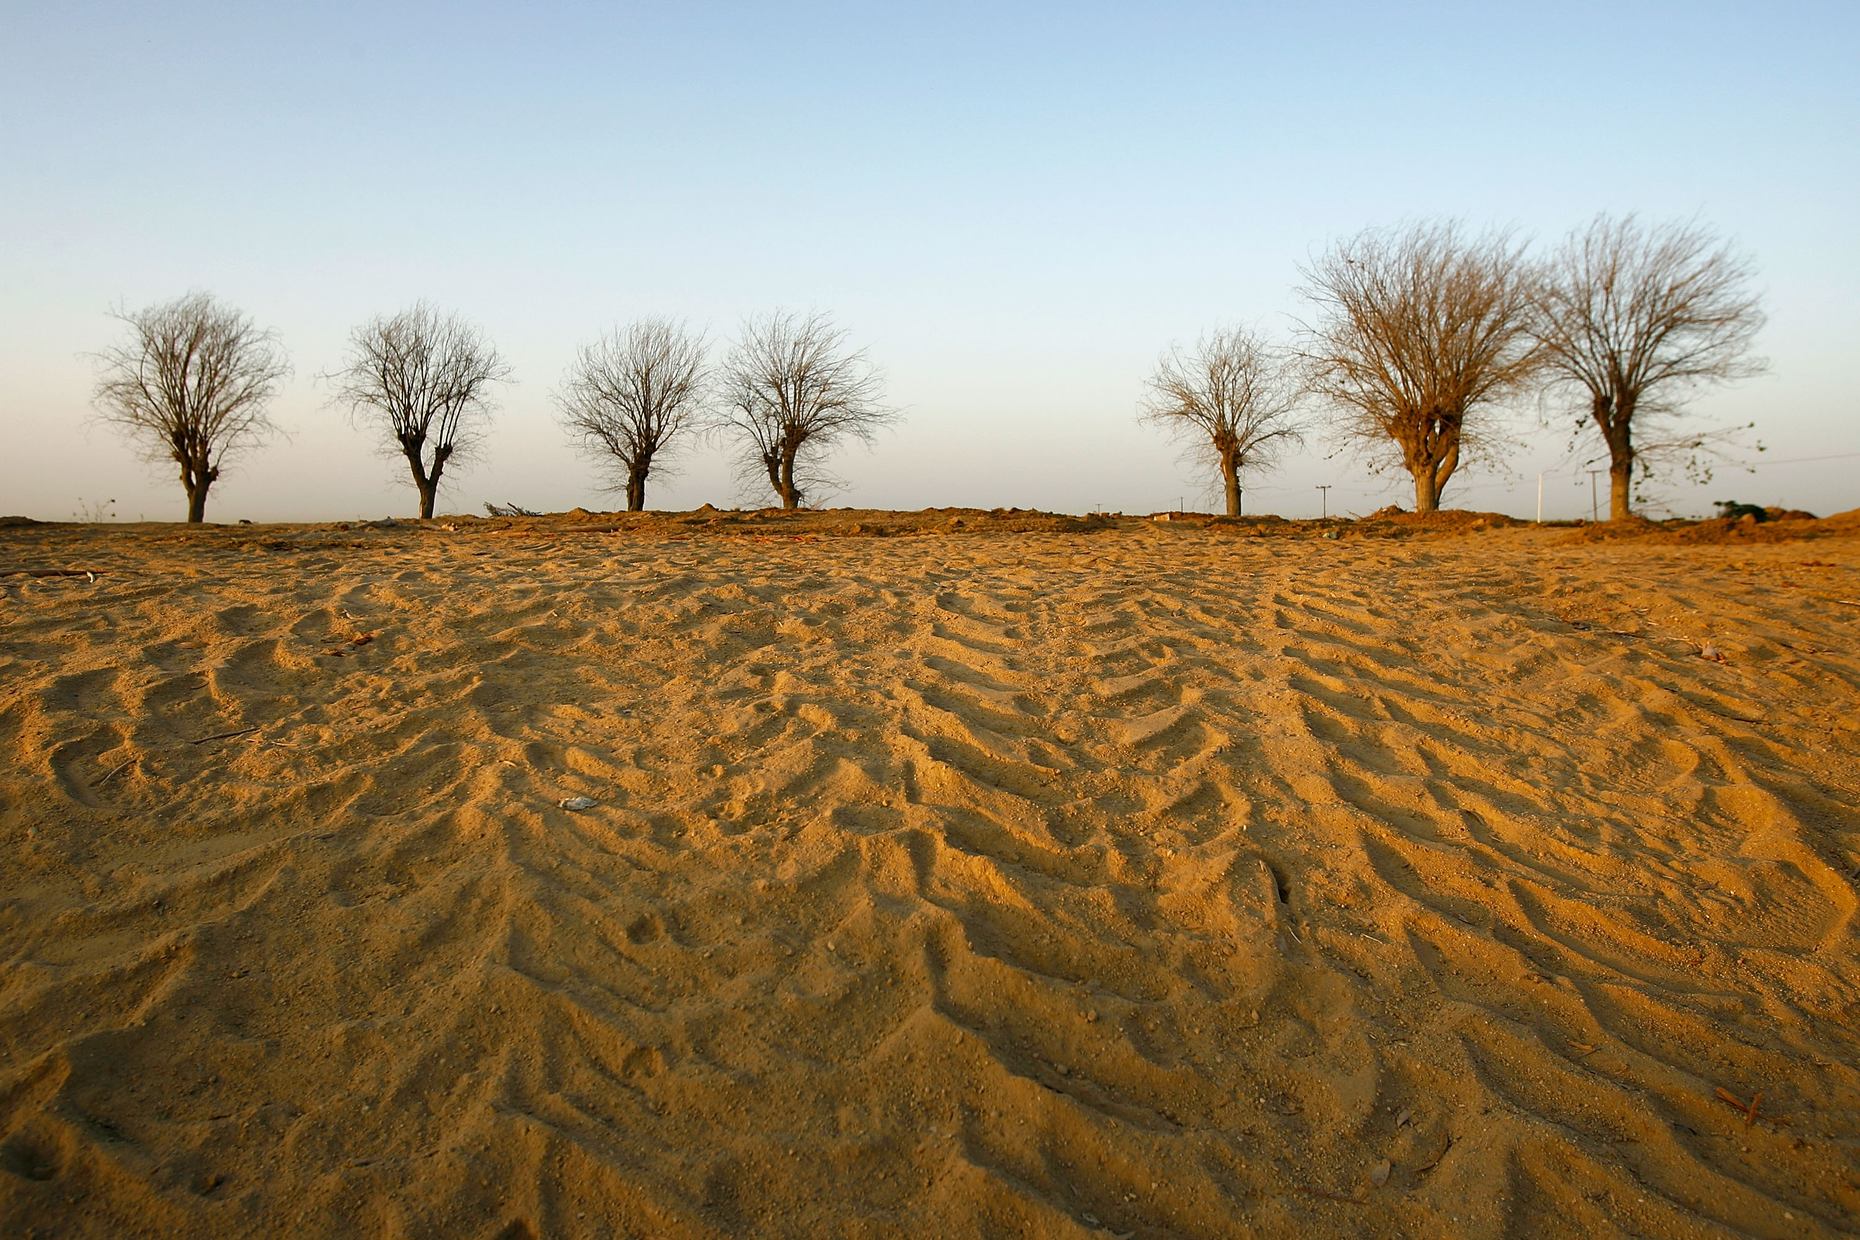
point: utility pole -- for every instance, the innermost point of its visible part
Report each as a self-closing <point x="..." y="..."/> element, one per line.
<point x="1595" y="512"/>
<point x="1540" y="496"/>
<point x="1324" y="501"/>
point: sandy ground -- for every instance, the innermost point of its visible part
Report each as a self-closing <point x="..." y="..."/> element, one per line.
<point x="954" y="875"/>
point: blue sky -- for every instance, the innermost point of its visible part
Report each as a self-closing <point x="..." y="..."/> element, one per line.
<point x="1014" y="208"/>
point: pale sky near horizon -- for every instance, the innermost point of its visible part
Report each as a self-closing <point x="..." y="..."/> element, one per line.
<point x="1014" y="208"/>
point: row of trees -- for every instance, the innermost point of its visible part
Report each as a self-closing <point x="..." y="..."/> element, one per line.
<point x="1422" y="334"/>
<point x="191" y="383"/>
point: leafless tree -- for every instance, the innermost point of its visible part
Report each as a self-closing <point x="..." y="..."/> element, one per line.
<point x="190" y="386"/>
<point x="630" y="396"/>
<point x="1235" y="398"/>
<point x="1420" y="332"/>
<point x="790" y="391"/>
<point x="422" y="379"/>
<point x="1634" y="317"/>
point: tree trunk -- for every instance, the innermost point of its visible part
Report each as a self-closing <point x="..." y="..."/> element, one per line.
<point x="1231" y="477"/>
<point x="1426" y="490"/>
<point x="1620" y="482"/>
<point x="1620" y="438"/>
<point x="1430" y="477"/>
<point x="636" y="471"/>
<point x="195" y="479"/>
<point x="426" y="484"/>
<point x="1614" y="418"/>
<point x="790" y="495"/>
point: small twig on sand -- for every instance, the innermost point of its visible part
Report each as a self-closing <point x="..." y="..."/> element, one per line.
<point x="221" y="736"/>
<point x="91" y="573"/>
<point x="1725" y="714"/>
<point x="1423" y="1170"/>
<point x="116" y="770"/>
<point x="1748" y="1108"/>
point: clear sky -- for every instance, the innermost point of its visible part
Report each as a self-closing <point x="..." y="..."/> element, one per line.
<point x="1014" y="207"/>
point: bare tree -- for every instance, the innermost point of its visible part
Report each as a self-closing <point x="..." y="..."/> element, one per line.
<point x="190" y="386"/>
<point x="631" y="395"/>
<point x="790" y="391"/>
<point x="1633" y="318"/>
<point x="422" y="378"/>
<point x="1234" y="397"/>
<point x="1419" y="332"/>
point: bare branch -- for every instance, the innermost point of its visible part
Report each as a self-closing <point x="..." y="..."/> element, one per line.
<point x="1631" y="319"/>
<point x="790" y="391"/>
<point x="1234" y="398"/>
<point x="631" y="396"/>
<point x="1420" y="334"/>
<point x="190" y="386"/>
<point x="421" y="379"/>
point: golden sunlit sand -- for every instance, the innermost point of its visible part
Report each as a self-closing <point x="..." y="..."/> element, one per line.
<point x="945" y="874"/>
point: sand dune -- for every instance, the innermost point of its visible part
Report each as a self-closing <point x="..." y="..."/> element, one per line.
<point x="1001" y="877"/>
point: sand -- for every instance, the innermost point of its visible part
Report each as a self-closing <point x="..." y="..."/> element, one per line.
<point x="952" y="874"/>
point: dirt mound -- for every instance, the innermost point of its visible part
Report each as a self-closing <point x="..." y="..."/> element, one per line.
<point x="1842" y="521"/>
<point x="1778" y="525"/>
<point x="1394" y="521"/>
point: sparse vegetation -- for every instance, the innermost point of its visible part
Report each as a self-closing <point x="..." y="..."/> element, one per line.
<point x="423" y="380"/>
<point x="190" y="387"/>
<point x="1234" y="397"/>
<point x="631" y="398"/>
<point x="1632" y="318"/>
<point x="1420" y="333"/>
<point x="791" y="391"/>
